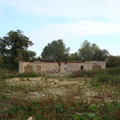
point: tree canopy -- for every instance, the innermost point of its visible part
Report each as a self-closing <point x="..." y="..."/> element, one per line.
<point x="86" y="52"/>
<point x="74" y="57"/>
<point x="13" y="45"/>
<point x="56" y="50"/>
<point x="101" y="55"/>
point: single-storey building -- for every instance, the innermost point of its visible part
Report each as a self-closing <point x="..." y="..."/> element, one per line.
<point x="62" y="67"/>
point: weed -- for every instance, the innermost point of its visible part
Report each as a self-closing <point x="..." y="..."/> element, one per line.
<point x="33" y="74"/>
<point x="68" y="78"/>
<point x="79" y="81"/>
<point x="22" y="79"/>
<point x="59" y="108"/>
<point x="85" y="80"/>
<point x="61" y="79"/>
<point x="4" y="97"/>
<point x="73" y="105"/>
<point x="111" y="71"/>
<point x="28" y="78"/>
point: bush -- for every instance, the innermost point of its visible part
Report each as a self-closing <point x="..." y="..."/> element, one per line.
<point x="33" y="74"/>
<point x="88" y="73"/>
<point x="107" y="78"/>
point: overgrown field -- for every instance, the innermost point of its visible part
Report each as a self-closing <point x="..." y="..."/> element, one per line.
<point x="87" y="95"/>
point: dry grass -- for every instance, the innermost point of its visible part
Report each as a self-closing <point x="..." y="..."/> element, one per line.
<point x="61" y="90"/>
<point x="35" y="88"/>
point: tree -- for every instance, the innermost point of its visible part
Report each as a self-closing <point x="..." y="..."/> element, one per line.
<point x="101" y="55"/>
<point x="111" y="62"/>
<point x="87" y="51"/>
<point x="12" y="45"/>
<point x="74" y="57"/>
<point x="1" y="61"/>
<point x="55" y="50"/>
<point x="118" y="60"/>
<point x="24" y="55"/>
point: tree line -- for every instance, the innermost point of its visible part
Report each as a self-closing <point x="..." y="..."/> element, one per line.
<point x="14" y="47"/>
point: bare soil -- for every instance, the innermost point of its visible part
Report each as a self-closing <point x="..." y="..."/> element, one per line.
<point x="42" y="88"/>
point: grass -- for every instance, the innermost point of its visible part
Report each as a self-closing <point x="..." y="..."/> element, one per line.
<point x="5" y="74"/>
<point x="61" y="98"/>
<point x="111" y="71"/>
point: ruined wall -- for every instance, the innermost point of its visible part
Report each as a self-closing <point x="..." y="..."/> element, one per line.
<point x="98" y="65"/>
<point x="28" y="68"/>
<point x="22" y="66"/>
<point x="87" y="65"/>
<point x="62" y="67"/>
<point x="37" y="66"/>
<point x="53" y="67"/>
<point x="73" y="66"/>
<point x="44" y="66"/>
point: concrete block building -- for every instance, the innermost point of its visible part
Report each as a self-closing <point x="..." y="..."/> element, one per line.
<point x="59" y="67"/>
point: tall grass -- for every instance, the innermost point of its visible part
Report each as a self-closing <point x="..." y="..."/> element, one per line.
<point x="107" y="78"/>
<point x="59" y="109"/>
<point x="111" y="71"/>
<point x="67" y="107"/>
<point x="33" y="74"/>
<point x="5" y="74"/>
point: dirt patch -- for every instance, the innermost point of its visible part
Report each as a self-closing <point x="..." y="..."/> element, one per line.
<point x="41" y="88"/>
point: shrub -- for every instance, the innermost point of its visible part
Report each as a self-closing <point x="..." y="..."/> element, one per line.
<point x="107" y="78"/>
<point x="88" y="73"/>
<point x="33" y="74"/>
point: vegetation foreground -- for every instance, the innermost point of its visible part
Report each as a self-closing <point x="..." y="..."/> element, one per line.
<point x="87" y="95"/>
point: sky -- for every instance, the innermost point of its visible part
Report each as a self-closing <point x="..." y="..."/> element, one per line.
<point x="73" y="21"/>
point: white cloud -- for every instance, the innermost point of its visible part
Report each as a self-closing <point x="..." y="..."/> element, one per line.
<point x="80" y="28"/>
<point x="90" y="9"/>
<point x="84" y="17"/>
<point x="70" y="32"/>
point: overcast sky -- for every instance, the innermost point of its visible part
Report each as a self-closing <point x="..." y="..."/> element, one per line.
<point x="74" y="21"/>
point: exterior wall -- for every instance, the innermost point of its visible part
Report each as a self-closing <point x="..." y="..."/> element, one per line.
<point x="22" y="66"/>
<point x="62" y="67"/>
<point x="35" y="64"/>
<point x="28" y="68"/>
<point x="54" y="66"/>
<point x="73" y="66"/>
<point x="102" y="64"/>
<point x="87" y="66"/>
<point x="45" y="66"/>
<point x="50" y="66"/>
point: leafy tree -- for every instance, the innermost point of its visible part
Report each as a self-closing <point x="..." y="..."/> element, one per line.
<point x="28" y="53"/>
<point x="101" y="55"/>
<point x="1" y="61"/>
<point x="74" y="57"/>
<point x="55" y="50"/>
<point x="118" y="60"/>
<point x="12" y="45"/>
<point x="111" y="62"/>
<point x="86" y="52"/>
<point x="24" y="55"/>
<point x="36" y="58"/>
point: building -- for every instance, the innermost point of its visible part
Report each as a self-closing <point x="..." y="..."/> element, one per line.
<point x="61" y="67"/>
